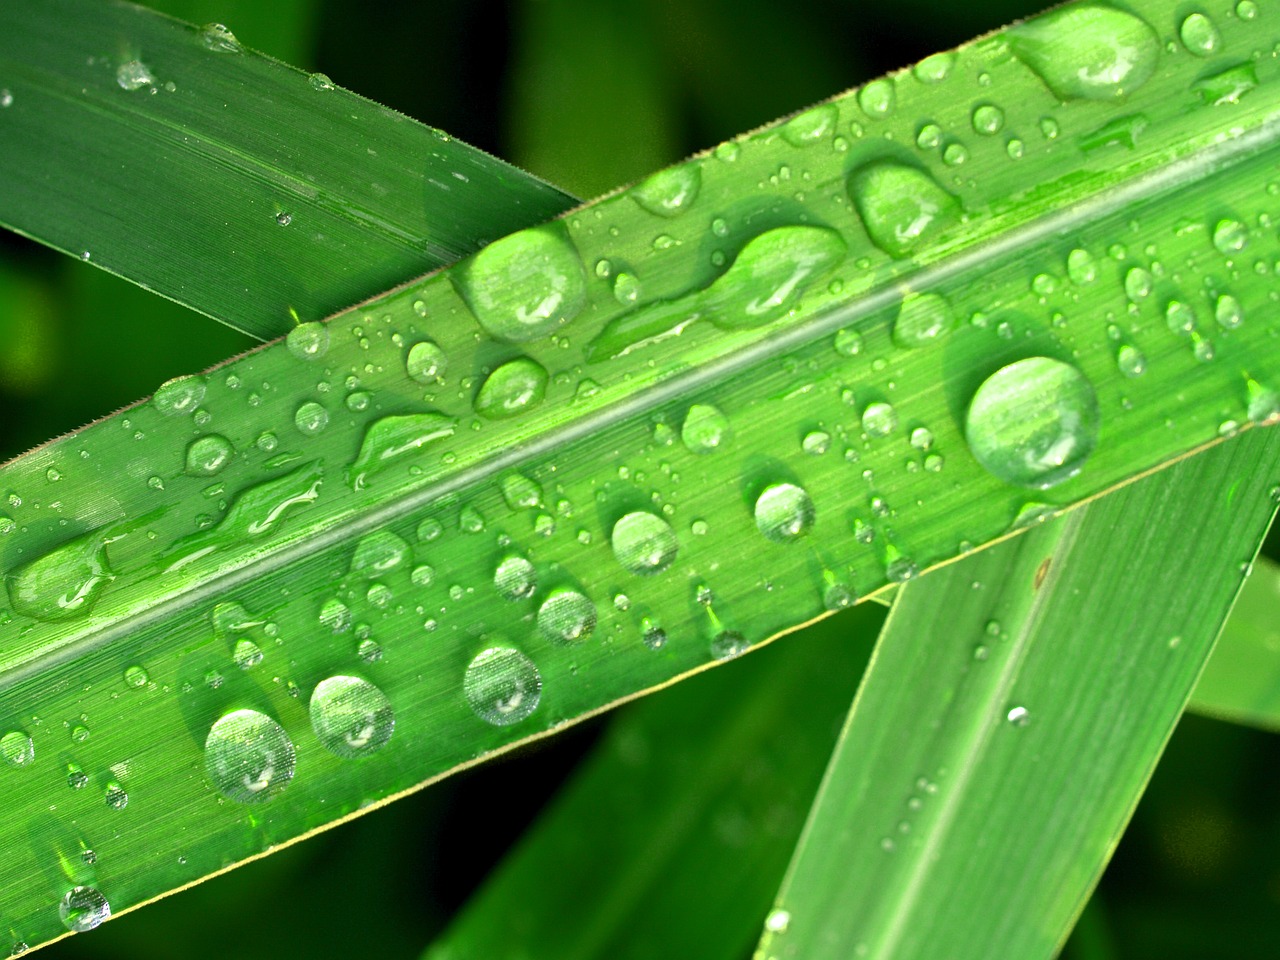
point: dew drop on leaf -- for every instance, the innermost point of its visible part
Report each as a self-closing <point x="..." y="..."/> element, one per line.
<point x="502" y="686"/>
<point x="351" y="717"/>
<point x="1087" y="51"/>
<point x="248" y="756"/>
<point x="784" y="512"/>
<point x="644" y="543"/>
<point x="83" y="908"/>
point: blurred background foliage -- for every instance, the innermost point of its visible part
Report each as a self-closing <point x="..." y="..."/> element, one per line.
<point x="590" y="96"/>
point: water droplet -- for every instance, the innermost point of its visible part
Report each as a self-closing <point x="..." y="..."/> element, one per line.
<point x="351" y="717"/>
<point x="311" y="418"/>
<point x="136" y="677"/>
<point x="426" y="362"/>
<point x="567" y="616"/>
<point x="1131" y="361"/>
<point x="516" y="386"/>
<point x="988" y="119"/>
<point x="380" y="552"/>
<point x="1228" y="86"/>
<point x="17" y="748"/>
<point x="784" y="512"/>
<point x="813" y="126"/>
<point x="770" y="273"/>
<point x="879" y="419"/>
<point x="207" y="455"/>
<point x="848" y="342"/>
<point x="1180" y="317"/>
<point x="1081" y="268"/>
<point x="816" y="443"/>
<point x="1087" y="51"/>
<point x="922" y="318"/>
<point x="308" y="341"/>
<point x="1137" y="284"/>
<point x="1199" y="35"/>
<point x="901" y="206"/>
<point x="217" y="38"/>
<point x="525" y="285"/>
<point x="502" y="686"/>
<point x="1247" y="10"/>
<point x="1263" y="404"/>
<point x="134" y="75"/>
<point x="929" y="136"/>
<point x="1230" y="236"/>
<point x="6" y="98"/>
<point x="321" y="82"/>
<point x="837" y="596"/>
<point x="392" y="437"/>
<point x="1019" y="716"/>
<point x="515" y="578"/>
<point x="284" y="219"/>
<point x="180" y="396"/>
<point x="248" y="756"/>
<point x="1228" y="312"/>
<point x="670" y="192"/>
<point x="1033" y="423"/>
<point x="934" y="68"/>
<point x="246" y="654"/>
<point x="368" y="650"/>
<point x="520" y="492"/>
<point x="705" y="428"/>
<point x="644" y="543"/>
<point x="955" y="154"/>
<point x="83" y="908"/>
<point x="62" y="584"/>
<point x="728" y="644"/>
<point x="116" y="797"/>
<point x="626" y="288"/>
<point x="877" y="98"/>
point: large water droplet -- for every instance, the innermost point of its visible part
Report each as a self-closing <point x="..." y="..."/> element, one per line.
<point x="770" y="273"/>
<point x="180" y="396"/>
<point x="426" y="362"/>
<point x="502" y="686"/>
<point x="17" y="748"/>
<point x="901" y="207"/>
<point x="515" y="578"/>
<point x="784" y="512"/>
<point x="248" y="756"/>
<point x="644" y="543"/>
<point x="567" y="616"/>
<point x="525" y="285"/>
<point x="1033" y="423"/>
<point x="516" y="386"/>
<point x="1199" y="35"/>
<point x="705" y="428"/>
<point x="392" y="437"/>
<point x="670" y="192"/>
<point x="351" y="717"/>
<point x="62" y="584"/>
<point x="207" y="455"/>
<point x="308" y="341"/>
<point x="922" y="318"/>
<point x="1087" y="51"/>
<point x="83" y="908"/>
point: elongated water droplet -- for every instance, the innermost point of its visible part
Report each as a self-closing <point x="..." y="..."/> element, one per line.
<point x="567" y="616"/>
<point x="392" y="437"/>
<point x="770" y="273"/>
<point x="784" y="512"/>
<point x="83" y="908"/>
<point x="1081" y="268"/>
<point x="520" y="492"/>
<point x="426" y="362"/>
<point x="705" y="428"/>
<point x="1180" y="317"/>
<point x="1033" y="423"/>
<point x="525" y="285"/>
<point x="516" y="386"/>
<point x="1228" y="312"/>
<point x="644" y="543"/>
<point x="1227" y="86"/>
<point x="248" y="756"/>
<point x="207" y="455"/>
<point x="1137" y="284"/>
<point x="922" y="318"/>
<point x="1199" y="35"/>
<point x="502" y="686"/>
<point x="217" y="38"/>
<point x="813" y="126"/>
<point x="379" y="553"/>
<point x="17" y="748"/>
<point x="670" y="192"/>
<point x="1087" y="51"/>
<point x="901" y="207"/>
<point x="515" y="578"/>
<point x="351" y="717"/>
<point x="1131" y="361"/>
<point x="180" y="396"/>
<point x="62" y="584"/>
<point x="308" y="341"/>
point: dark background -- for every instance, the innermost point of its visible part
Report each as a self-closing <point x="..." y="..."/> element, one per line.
<point x="588" y="94"/>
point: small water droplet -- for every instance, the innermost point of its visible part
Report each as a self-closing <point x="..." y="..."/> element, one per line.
<point x="351" y="717"/>
<point x="784" y="512"/>
<point x="1081" y="268"/>
<point x="248" y="756"/>
<point x="567" y="616"/>
<point x="1199" y="35"/>
<point x="1138" y="284"/>
<point x="502" y="686"/>
<point x="426" y="362"/>
<point x="816" y="443"/>
<point x="988" y="119"/>
<point x="83" y="908"/>
<point x="1131" y="361"/>
<point x="116" y="797"/>
<point x="922" y="318"/>
<point x="6" y="98"/>
<point x="626" y="288"/>
<point x="1019" y="716"/>
<point x="321" y="82"/>
<point x="1087" y="51"/>
<point x="180" y="396"/>
<point x="515" y="578"/>
<point x="934" y="68"/>
<point x="520" y="492"/>
<point x="208" y="455"/>
<point x="218" y="39"/>
<point x="1033" y="423"/>
<point x="17" y="748"/>
<point x="813" y="126"/>
<point x="61" y="584"/>
<point x="728" y="644"/>
<point x="670" y="192"/>
<point x="513" y="388"/>
<point x="1180" y="317"/>
<point x="134" y="75"/>
<point x="136" y="677"/>
<point x="308" y="341"/>
<point x="1228" y="312"/>
<point x="878" y="98"/>
<point x="1230" y="236"/>
<point x="1247" y="10"/>
<point x="879" y="419"/>
<point x="644" y="543"/>
<point x="705" y="428"/>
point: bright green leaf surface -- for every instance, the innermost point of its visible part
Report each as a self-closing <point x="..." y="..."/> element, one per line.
<point x="673" y="837"/>
<point x="1242" y="680"/>
<point x="603" y="454"/>
<point x="1049" y="694"/>
<point x="311" y="197"/>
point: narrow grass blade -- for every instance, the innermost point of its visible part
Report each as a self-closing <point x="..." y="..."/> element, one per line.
<point x="265" y="194"/>
<point x="672" y="838"/>
<point x="970" y="811"/>
<point x="617" y="449"/>
<point x="1241" y="682"/>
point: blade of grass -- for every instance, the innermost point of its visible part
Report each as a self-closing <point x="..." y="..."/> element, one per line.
<point x="977" y="805"/>
<point x="672" y="837"/>
<point x="269" y="194"/>
<point x="348" y="489"/>
<point x="1241" y="682"/>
